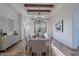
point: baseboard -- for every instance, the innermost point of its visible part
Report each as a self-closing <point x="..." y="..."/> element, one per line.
<point x="73" y="49"/>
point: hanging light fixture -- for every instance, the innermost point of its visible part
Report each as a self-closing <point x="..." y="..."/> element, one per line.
<point x="39" y="18"/>
<point x="39" y="15"/>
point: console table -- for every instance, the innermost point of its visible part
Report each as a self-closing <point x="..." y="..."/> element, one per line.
<point x="7" y="41"/>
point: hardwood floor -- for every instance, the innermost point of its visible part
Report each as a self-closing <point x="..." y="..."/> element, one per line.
<point x="64" y="49"/>
<point x="18" y="50"/>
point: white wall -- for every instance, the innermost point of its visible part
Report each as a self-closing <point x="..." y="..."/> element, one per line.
<point x="76" y="27"/>
<point x="7" y="25"/>
<point x="14" y="12"/>
<point x="29" y="26"/>
<point x="25" y="26"/>
<point x="64" y="13"/>
<point x="7" y="12"/>
<point x="49" y="26"/>
<point x="21" y="25"/>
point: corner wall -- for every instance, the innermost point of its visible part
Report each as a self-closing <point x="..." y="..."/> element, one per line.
<point x="7" y="12"/>
<point x="76" y="27"/>
<point x="64" y="13"/>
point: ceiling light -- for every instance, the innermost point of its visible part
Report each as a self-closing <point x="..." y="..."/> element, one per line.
<point x="39" y="15"/>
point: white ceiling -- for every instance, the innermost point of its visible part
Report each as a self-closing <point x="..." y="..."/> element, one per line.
<point x="19" y="7"/>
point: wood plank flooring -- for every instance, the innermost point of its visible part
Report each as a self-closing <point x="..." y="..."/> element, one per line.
<point x="17" y="50"/>
<point x="64" y="49"/>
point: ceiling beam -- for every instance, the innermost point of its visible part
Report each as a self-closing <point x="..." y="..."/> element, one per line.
<point x="39" y="5"/>
<point x="38" y="10"/>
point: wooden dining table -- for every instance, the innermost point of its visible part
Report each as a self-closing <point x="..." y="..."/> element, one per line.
<point x="38" y="45"/>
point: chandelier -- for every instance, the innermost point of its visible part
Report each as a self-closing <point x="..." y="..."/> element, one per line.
<point x="39" y="18"/>
<point x="39" y="15"/>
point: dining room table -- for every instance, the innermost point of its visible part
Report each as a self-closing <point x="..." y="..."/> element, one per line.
<point x="38" y="45"/>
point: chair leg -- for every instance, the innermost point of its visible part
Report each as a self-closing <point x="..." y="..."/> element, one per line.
<point x="48" y="51"/>
<point x="29" y="51"/>
<point x="43" y="53"/>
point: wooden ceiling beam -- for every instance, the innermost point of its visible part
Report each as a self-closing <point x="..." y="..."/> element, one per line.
<point x="39" y="5"/>
<point x="38" y="11"/>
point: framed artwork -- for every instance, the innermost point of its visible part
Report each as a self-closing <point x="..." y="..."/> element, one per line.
<point x="59" y="26"/>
